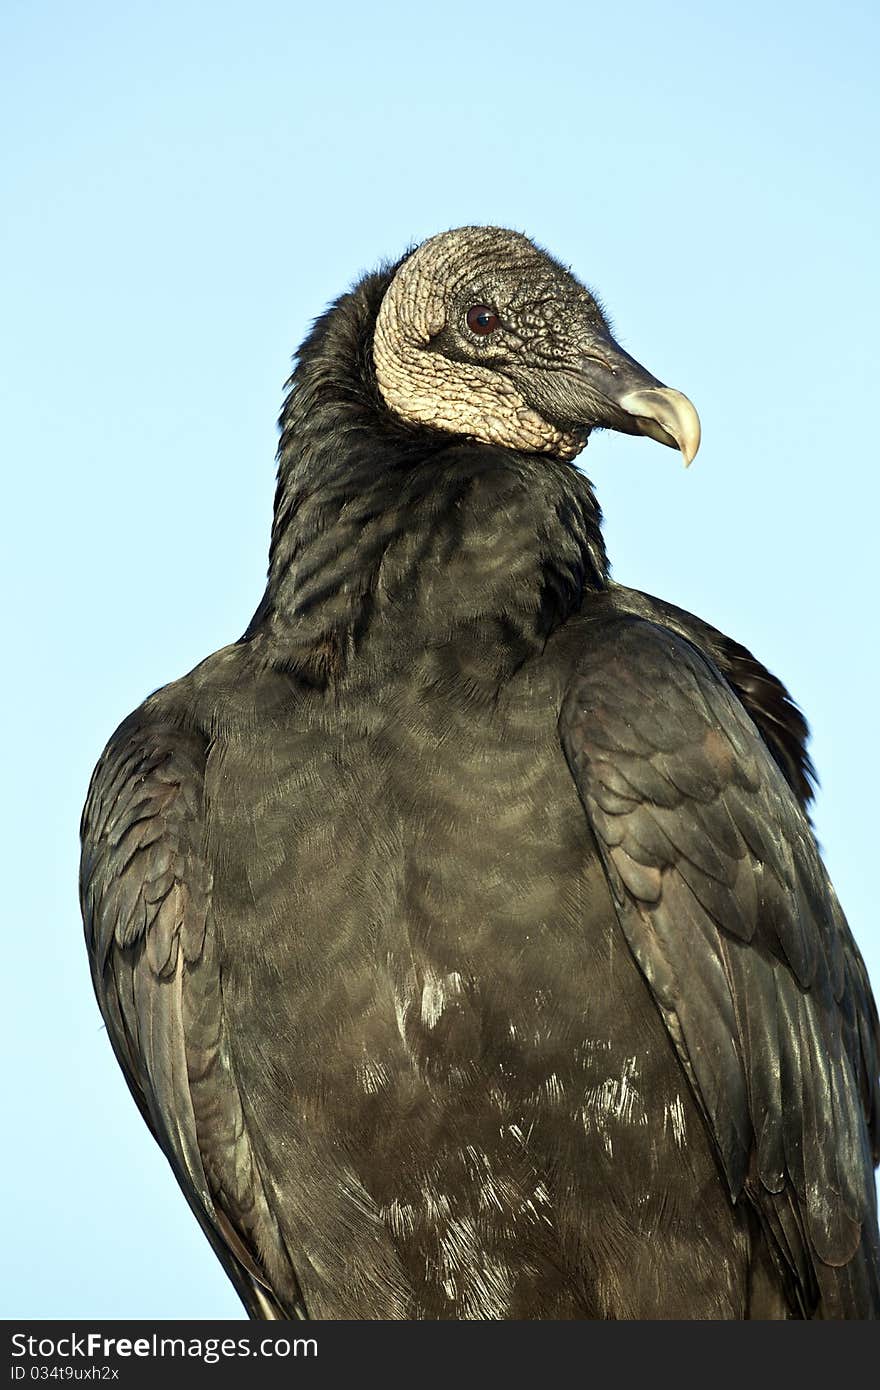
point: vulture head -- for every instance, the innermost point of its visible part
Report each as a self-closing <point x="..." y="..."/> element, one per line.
<point x="482" y="334"/>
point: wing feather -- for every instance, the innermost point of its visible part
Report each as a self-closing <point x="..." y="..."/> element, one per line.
<point x="728" y="910"/>
<point x="146" y="895"/>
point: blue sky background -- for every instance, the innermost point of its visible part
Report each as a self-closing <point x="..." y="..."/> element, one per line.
<point x="184" y="188"/>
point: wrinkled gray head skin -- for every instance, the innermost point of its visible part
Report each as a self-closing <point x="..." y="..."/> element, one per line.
<point x="540" y="380"/>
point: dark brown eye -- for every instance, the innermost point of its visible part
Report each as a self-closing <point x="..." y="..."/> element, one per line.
<point x="481" y="319"/>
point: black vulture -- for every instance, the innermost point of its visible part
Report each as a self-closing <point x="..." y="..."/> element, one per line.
<point x="460" y="930"/>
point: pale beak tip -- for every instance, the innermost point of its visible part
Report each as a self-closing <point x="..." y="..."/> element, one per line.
<point x="689" y="441"/>
<point x="666" y="415"/>
<point x="683" y="423"/>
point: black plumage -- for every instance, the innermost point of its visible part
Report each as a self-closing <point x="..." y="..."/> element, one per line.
<point x="460" y="929"/>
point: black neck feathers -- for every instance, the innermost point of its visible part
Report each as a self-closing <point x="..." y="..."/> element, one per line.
<point x="387" y="534"/>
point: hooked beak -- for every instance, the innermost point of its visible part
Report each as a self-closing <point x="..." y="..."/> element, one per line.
<point x="665" y="415"/>
<point x="609" y="389"/>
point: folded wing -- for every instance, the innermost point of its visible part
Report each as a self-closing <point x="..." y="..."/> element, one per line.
<point x="146" y="897"/>
<point x="729" y="912"/>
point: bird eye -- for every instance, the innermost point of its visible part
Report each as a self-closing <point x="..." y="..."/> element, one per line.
<point x="482" y="320"/>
